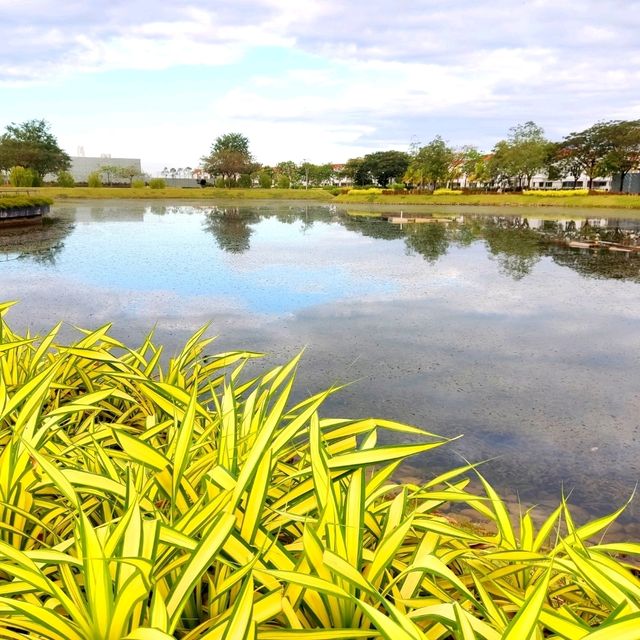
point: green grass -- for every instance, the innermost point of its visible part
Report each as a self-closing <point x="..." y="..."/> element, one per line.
<point x="497" y="200"/>
<point x="144" y="497"/>
<point x="175" y="193"/>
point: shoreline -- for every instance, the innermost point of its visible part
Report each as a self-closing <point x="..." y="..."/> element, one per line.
<point x="626" y="202"/>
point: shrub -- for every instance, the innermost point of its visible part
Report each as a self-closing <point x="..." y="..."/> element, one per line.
<point x="265" y="180"/>
<point x="447" y="192"/>
<point x="138" y="183"/>
<point x="22" y="201"/>
<point x="244" y="181"/>
<point x="94" y="180"/>
<point x="284" y="182"/>
<point x="176" y="500"/>
<point x="556" y="193"/>
<point x="157" y="183"/>
<point x="21" y="177"/>
<point x="397" y="186"/>
<point x="220" y="183"/>
<point x="65" y="179"/>
<point x="365" y="191"/>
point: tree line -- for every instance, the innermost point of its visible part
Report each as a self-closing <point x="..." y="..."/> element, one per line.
<point x="29" y="151"/>
<point x="609" y="148"/>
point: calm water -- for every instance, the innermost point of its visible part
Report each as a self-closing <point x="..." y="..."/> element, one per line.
<point x="485" y="326"/>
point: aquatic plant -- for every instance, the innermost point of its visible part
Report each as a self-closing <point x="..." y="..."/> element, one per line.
<point x="151" y="497"/>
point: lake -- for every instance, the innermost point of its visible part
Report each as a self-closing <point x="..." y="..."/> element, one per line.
<point x="488" y="326"/>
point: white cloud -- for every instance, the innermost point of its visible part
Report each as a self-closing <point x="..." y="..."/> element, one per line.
<point x="377" y="74"/>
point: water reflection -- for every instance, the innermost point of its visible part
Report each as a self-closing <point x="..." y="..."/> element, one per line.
<point x="519" y="243"/>
<point x="430" y="240"/>
<point x="41" y="242"/>
<point x="516" y="243"/>
<point x="231" y="227"/>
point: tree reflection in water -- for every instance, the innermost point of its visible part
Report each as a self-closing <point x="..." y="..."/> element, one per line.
<point x="516" y="243"/>
<point x="430" y="240"/>
<point x="230" y="226"/>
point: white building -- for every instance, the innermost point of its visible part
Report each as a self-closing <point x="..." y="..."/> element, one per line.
<point x="541" y="181"/>
<point x="82" y="166"/>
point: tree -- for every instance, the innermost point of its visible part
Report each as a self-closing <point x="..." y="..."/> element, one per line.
<point x="529" y="149"/>
<point x="561" y="162"/>
<point x="588" y="149"/>
<point x="110" y="171"/>
<point x="384" y="166"/>
<point x="430" y="164"/>
<point x="229" y="158"/>
<point x="129" y="172"/>
<point x="502" y="167"/>
<point x="474" y="166"/>
<point x="357" y="172"/>
<point x="31" y="145"/>
<point x="623" y="155"/>
<point x="315" y="174"/>
<point x="520" y="156"/>
<point x="285" y="173"/>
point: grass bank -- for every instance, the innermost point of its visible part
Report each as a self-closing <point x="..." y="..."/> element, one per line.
<point x="496" y="200"/>
<point x="189" y="501"/>
<point x="175" y="193"/>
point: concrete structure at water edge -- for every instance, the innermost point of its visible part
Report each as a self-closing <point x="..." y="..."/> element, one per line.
<point x="23" y="214"/>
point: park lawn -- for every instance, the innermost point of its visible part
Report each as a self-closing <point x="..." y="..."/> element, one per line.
<point x="174" y="193"/>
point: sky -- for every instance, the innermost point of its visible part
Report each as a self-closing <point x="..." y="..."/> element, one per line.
<point x="322" y="80"/>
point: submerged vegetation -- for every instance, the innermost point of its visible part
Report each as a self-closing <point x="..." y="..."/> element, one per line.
<point x="185" y="500"/>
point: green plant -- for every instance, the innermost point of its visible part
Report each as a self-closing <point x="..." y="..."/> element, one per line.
<point x="556" y="193"/>
<point x="447" y="192"/>
<point x="157" y="183"/>
<point x="137" y="184"/>
<point x="65" y="179"/>
<point x="94" y="180"/>
<point x="265" y="179"/>
<point x="21" y="177"/>
<point x="284" y="182"/>
<point x="244" y="181"/>
<point x="20" y="202"/>
<point x="365" y="191"/>
<point x="185" y="500"/>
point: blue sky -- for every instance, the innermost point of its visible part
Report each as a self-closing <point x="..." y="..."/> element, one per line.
<point x="322" y="80"/>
